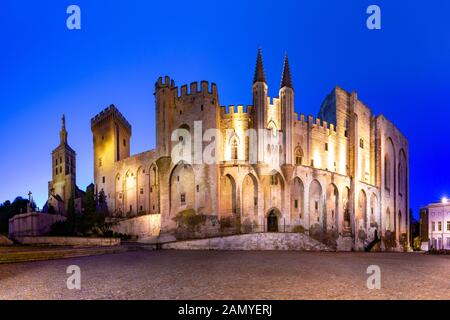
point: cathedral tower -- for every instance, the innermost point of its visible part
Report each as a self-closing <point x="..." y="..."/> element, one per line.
<point x="63" y="184"/>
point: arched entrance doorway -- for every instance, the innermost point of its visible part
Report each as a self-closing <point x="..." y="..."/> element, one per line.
<point x="272" y="220"/>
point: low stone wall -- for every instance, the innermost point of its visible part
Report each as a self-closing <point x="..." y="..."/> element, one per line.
<point x="140" y="227"/>
<point x="5" y="241"/>
<point x="254" y="241"/>
<point x="69" y="241"/>
<point x="32" y="224"/>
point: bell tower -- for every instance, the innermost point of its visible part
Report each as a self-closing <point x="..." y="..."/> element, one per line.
<point x="63" y="182"/>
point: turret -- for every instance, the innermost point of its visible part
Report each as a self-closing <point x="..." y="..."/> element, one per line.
<point x="287" y="111"/>
<point x="165" y="95"/>
<point x="260" y="89"/>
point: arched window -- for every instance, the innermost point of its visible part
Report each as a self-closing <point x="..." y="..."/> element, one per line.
<point x="234" y="149"/>
<point x="298" y="156"/>
<point x="387" y="173"/>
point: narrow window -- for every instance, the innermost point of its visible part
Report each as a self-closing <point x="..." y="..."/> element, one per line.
<point x="361" y="143"/>
<point x="140" y="208"/>
<point x="183" y="198"/>
<point x="141" y="191"/>
<point x="104" y="179"/>
<point x="326" y="146"/>
<point x="316" y="204"/>
<point x="198" y="188"/>
<point x="296" y="204"/>
<point x="439" y="226"/>
<point x="124" y="142"/>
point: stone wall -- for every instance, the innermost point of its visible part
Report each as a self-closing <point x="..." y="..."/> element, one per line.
<point x="141" y="227"/>
<point x="5" y="241"/>
<point x="255" y="241"/>
<point x="32" y="224"/>
<point x="69" y="241"/>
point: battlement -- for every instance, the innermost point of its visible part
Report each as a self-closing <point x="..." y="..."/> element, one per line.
<point x="313" y="122"/>
<point x="110" y="111"/>
<point x="194" y="89"/>
<point x="235" y="111"/>
<point x="164" y="83"/>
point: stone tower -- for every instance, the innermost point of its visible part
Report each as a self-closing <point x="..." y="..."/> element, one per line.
<point x="111" y="133"/>
<point x="63" y="182"/>
<point x="260" y="89"/>
<point x="165" y="95"/>
<point x="287" y="111"/>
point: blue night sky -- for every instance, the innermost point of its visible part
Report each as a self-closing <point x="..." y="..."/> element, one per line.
<point x="401" y="71"/>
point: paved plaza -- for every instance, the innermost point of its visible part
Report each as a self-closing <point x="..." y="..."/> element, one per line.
<point x="231" y="275"/>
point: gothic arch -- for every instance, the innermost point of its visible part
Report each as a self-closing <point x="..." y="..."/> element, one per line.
<point x="228" y="191"/>
<point x="346" y="219"/>
<point x="118" y="184"/>
<point x="387" y="220"/>
<point x="298" y="154"/>
<point x="361" y="212"/>
<point x="332" y="207"/>
<point x="250" y="198"/>
<point x="402" y="173"/>
<point x="274" y="190"/>
<point x="154" y="189"/>
<point x="297" y="199"/>
<point x="315" y="203"/>
<point x="130" y="193"/>
<point x="373" y="211"/>
<point x="142" y="190"/>
<point x="182" y="188"/>
<point x="389" y="166"/>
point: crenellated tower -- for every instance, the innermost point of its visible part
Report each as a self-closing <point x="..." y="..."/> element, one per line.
<point x="165" y="96"/>
<point x="111" y="134"/>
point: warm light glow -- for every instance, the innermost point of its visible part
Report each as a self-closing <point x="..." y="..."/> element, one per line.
<point x="444" y="200"/>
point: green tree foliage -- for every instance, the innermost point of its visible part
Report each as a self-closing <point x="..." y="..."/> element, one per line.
<point x="89" y="223"/>
<point x="9" y="210"/>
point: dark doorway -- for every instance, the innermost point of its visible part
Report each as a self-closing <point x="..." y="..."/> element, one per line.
<point x="272" y="222"/>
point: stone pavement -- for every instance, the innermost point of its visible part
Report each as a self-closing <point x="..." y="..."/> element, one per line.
<point x="231" y="275"/>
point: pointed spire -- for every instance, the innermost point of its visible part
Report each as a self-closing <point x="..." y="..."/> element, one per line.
<point x="63" y="132"/>
<point x="286" y="80"/>
<point x="259" y="70"/>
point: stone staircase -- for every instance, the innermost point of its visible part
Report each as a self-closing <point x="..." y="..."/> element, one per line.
<point x="253" y="241"/>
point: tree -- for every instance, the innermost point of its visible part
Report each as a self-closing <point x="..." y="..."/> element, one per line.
<point x="9" y="210"/>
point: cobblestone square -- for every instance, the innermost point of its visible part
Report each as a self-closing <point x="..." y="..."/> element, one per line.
<point x="231" y="275"/>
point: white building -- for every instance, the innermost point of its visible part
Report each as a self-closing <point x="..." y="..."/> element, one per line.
<point x="439" y="225"/>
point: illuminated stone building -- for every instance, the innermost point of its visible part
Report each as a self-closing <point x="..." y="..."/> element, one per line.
<point x="344" y="173"/>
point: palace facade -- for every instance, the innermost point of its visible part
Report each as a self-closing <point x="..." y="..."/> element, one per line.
<point x="344" y="173"/>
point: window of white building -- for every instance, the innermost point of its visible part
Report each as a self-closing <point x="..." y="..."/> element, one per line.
<point x="439" y="226"/>
<point x="433" y="226"/>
